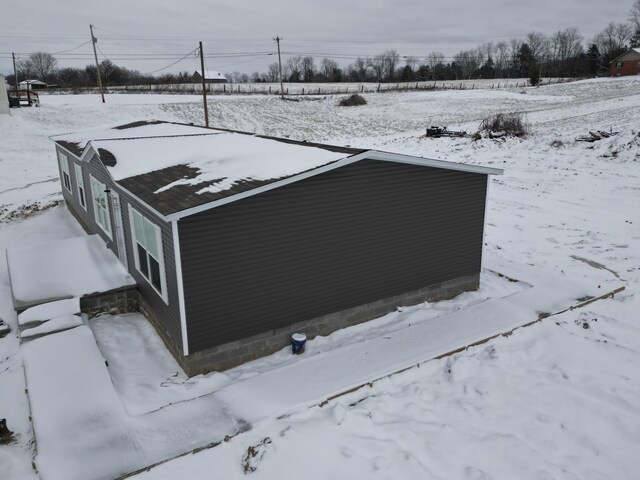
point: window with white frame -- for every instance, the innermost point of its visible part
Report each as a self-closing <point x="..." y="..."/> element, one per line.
<point x="80" y="182"/>
<point x="64" y="168"/>
<point x="101" y="205"/>
<point x="147" y="249"/>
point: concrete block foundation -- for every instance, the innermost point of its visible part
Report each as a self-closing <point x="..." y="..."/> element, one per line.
<point x="235" y="353"/>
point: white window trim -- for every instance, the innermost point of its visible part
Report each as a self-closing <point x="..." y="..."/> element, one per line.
<point x="82" y="191"/>
<point x="63" y="160"/>
<point x="163" y="277"/>
<point x="105" y="228"/>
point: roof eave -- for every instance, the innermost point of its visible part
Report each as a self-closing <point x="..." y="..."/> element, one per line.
<point x="366" y="155"/>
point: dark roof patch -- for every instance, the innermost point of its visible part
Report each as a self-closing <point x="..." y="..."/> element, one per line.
<point x="71" y="146"/>
<point x="182" y="197"/>
<point x="108" y="158"/>
<point x="138" y="124"/>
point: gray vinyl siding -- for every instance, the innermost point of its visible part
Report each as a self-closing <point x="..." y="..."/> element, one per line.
<point x="337" y="240"/>
<point x="168" y="316"/>
<point x="71" y="198"/>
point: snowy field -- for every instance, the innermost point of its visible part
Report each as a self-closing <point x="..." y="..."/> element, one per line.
<point x="557" y="400"/>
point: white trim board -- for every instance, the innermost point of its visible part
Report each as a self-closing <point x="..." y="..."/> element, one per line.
<point x="178" y="267"/>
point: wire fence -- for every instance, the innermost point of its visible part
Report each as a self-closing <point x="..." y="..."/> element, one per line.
<point x="298" y="89"/>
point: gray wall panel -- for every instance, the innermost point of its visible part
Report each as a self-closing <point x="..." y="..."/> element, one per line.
<point x="348" y="237"/>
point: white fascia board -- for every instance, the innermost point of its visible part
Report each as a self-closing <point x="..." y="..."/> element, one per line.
<point x="88" y="153"/>
<point x="249" y="193"/>
<point x="427" y="162"/>
<point x="178" y="266"/>
<point x="368" y="155"/>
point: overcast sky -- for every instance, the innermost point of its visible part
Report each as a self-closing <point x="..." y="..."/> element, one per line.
<point x="147" y="35"/>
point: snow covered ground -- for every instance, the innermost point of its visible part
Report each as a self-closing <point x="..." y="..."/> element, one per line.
<point x="559" y="399"/>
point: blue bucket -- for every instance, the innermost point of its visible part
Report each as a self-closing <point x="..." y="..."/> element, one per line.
<point x="297" y="343"/>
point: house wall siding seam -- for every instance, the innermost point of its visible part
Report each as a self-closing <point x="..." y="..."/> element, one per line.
<point x="348" y="237"/>
<point x="165" y="316"/>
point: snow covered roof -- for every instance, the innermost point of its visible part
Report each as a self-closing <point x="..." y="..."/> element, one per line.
<point x="176" y="169"/>
<point x="213" y="75"/>
<point x="32" y="82"/>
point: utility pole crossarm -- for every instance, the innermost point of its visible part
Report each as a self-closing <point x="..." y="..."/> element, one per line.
<point x="93" y="42"/>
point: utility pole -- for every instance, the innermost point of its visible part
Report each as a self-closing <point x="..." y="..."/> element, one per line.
<point x="204" y="90"/>
<point x="15" y="76"/>
<point x="277" y="39"/>
<point x="93" y="42"/>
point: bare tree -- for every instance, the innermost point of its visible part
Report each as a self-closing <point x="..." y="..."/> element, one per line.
<point x="308" y="69"/>
<point x="502" y="57"/>
<point x="392" y="59"/>
<point x="411" y="62"/>
<point x="39" y="65"/>
<point x="359" y="69"/>
<point x="612" y="41"/>
<point x="294" y="64"/>
<point x="539" y="45"/>
<point x="273" y="72"/>
<point x="377" y="65"/>
<point x="634" y="15"/>
<point x="567" y="44"/>
<point x="329" y="69"/>
<point x="43" y="65"/>
<point x="434" y="59"/>
<point x="469" y="61"/>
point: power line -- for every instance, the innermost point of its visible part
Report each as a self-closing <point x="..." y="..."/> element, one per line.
<point x="174" y="63"/>
<point x="72" y="49"/>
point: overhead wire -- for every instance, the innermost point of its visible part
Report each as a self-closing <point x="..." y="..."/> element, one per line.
<point x="172" y="64"/>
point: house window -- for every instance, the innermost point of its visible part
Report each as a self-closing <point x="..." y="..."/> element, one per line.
<point x="80" y="181"/>
<point x="101" y="205"/>
<point x="64" y="168"/>
<point x="147" y="251"/>
<point x="619" y="65"/>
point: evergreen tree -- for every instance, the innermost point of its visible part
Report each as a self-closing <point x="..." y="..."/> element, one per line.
<point x="594" y="60"/>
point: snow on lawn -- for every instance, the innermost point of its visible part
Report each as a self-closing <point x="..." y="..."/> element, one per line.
<point x="555" y="400"/>
<point x="147" y="377"/>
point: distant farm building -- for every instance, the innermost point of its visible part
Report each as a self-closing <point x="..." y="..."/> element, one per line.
<point x="626" y="64"/>
<point x="210" y="76"/>
<point x="32" y="85"/>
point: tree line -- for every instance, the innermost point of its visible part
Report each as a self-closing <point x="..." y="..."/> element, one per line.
<point x="563" y="54"/>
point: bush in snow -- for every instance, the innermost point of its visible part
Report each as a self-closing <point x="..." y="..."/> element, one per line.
<point x="353" y="101"/>
<point x="505" y="124"/>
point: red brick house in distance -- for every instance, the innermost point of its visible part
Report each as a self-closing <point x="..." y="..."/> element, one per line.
<point x="626" y="64"/>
